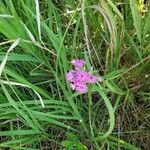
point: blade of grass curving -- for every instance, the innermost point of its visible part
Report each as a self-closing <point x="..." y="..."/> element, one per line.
<point x="29" y="33"/>
<point x="111" y="23"/>
<point x="114" y="88"/>
<point x="108" y="104"/>
<point x="24" y="81"/>
<point x="115" y="9"/>
<point x="109" y="18"/>
<point x="6" y="56"/>
<point x="24" y="85"/>
<point x="18" y="110"/>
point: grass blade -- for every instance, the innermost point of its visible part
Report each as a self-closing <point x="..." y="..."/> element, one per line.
<point x="38" y="19"/>
<point x="6" y="56"/>
<point x="136" y="18"/>
<point x="110" y="110"/>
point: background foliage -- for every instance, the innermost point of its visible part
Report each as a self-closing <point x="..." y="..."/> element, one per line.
<point x="38" y="39"/>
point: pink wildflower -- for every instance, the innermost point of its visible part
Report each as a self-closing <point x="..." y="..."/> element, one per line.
<point x="80" y="79"/>
<point x="78" y="63"/>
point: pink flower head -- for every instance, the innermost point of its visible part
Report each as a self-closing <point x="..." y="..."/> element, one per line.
<point x="78" y="63"/>
<point x="79" y="79"/>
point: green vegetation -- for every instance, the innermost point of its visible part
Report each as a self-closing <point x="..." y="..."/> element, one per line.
<point x="38" y="40"/>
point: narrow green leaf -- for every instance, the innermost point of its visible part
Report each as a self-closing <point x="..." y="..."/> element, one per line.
<point x="18" y="132"/>
<point x="146" y="28"/>
<point x="115" y="9"/>
<point x="2" y="65"/>
<point x="114" y="88"/>
<point x="38" y="18"/>
<point x="110" y="110"/>
<point x="136" y="18"/>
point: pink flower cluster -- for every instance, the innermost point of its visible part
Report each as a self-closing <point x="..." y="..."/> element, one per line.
<point x="79" y="79"/>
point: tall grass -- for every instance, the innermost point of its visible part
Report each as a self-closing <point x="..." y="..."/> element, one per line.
<point x="38" y="39"/>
